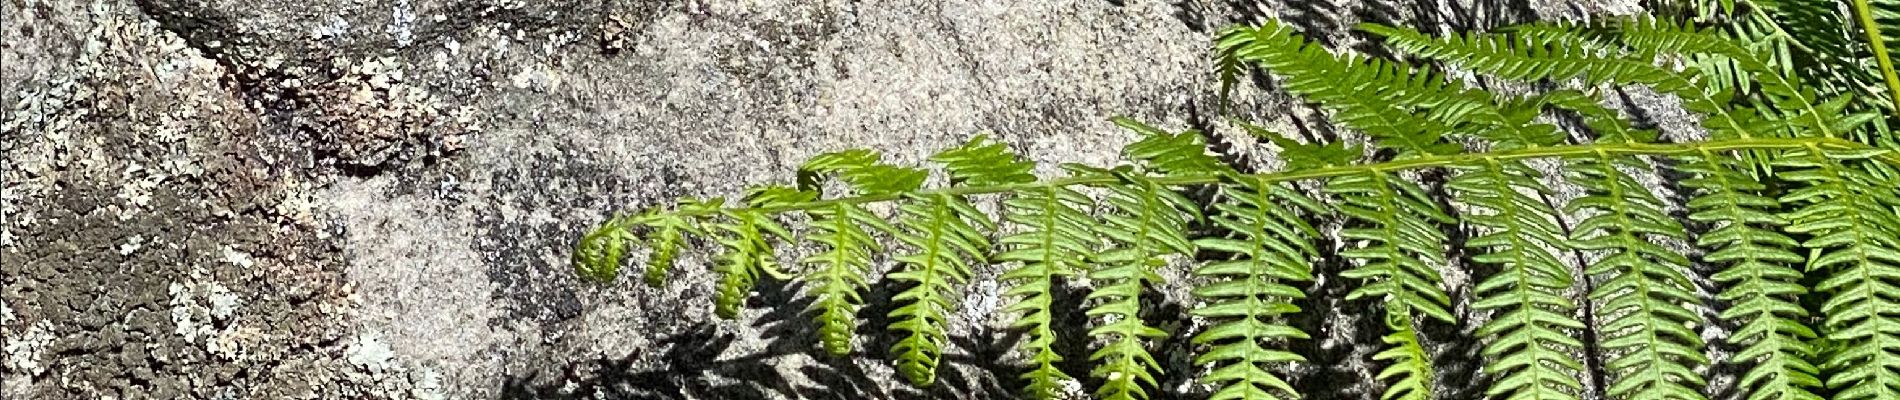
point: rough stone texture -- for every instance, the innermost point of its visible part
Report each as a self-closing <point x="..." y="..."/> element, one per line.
<point x="377" y="198"/>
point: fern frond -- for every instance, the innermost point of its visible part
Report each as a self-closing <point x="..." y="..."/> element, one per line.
<point x="1643" y="301"/>
<point x="1162" y="152"/>
<point x="1762" y="287"/>
<point x="1249" y="293"/>
<point x="747" y="256"/>
<point x="1854" y="239"/>
<point x="838" y="274"/>
<point x="1147" y="225"/>
<point x="1531" y="349"/>
<point x="597" y="256"/>
<point x="1398" y="259"/>
<point x="982" y="162"/>
<point x="860" y="169"/>
<point x="1059" y="238"/>
<point x="946" y="232"/>
<point x="1371" y="105"/>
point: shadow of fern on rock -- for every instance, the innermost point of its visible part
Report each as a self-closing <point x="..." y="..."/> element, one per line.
<point x="690" y="368"/>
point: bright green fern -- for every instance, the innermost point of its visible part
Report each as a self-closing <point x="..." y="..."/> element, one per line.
<point x="1791" y="198"/>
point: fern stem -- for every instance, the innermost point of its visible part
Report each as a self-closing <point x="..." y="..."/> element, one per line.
<point x="1879" y="46"/>
<point x="1419" y="162"/>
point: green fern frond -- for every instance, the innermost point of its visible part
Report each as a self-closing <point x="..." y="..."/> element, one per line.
<point x="669" y="232"/>
<point x="1272" y="246"/>
<point x="748" y="256"/>
<point x="1531" y="349"/>
<point x="1762" y="287"/>
<point x="860" y="169"/>
<point x="597" y="256"/>
<point x="1299" y="156"/>
<point x="1146" y="226"/>
<point x="1644" y="298"/>
<point x="838" y="274"/>
<point x="1410" y="364"/>
<point x="1398" y="259"/>
<point x="1058" y="239"/>
<point x="1853" y="227"/>
<point x="1643" y="301"/>
<point x="946" y="232"/>
<point x="1162" y="152"/>
<point x="982" y="162"/>
<point x="1372" y="104"/>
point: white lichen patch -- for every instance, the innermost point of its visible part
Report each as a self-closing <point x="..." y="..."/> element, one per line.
<point x="204" y="312"/>
<point x="24" y="349"/>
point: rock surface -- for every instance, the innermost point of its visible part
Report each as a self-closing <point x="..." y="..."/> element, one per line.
<point x="376" y="198"/>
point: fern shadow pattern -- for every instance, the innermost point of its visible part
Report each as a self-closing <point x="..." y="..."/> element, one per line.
<point x="1571" y="296"/>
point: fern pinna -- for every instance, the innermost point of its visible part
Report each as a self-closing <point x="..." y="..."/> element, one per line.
<point x="1798" y="220"/>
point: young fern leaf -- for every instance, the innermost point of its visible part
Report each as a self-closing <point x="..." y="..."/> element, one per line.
<point x="1853" y="227"/>
<point x="838" y="274"/>
<point x="1762" y="287"/>
<point x="1273" y="246"/>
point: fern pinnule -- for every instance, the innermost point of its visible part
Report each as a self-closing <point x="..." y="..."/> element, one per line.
<point x="1853" y="230"/>
<point x="1273" y="247"/>
<point x="1058" y="239"/>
